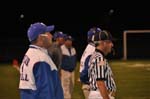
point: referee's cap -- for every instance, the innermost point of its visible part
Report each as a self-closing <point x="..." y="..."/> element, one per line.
<point x="101" y="36"/>
<point x="92" y="31"/>
<point x="38" y="28"/>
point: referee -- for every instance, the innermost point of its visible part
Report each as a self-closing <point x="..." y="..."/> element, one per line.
<point x="102" y="84"/>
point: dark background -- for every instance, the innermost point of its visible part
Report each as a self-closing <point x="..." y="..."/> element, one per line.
<point x="74" y="18"/>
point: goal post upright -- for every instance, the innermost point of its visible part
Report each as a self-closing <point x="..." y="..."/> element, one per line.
<point x="125" y="40"/>
<point x="125" y="45"/>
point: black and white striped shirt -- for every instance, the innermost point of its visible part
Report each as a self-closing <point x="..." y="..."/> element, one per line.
<point x="99" y="69"/>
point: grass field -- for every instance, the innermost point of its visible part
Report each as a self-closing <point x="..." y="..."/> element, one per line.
<point x="132" y="80"/>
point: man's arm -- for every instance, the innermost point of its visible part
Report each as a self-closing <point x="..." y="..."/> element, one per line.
<point x="43" y="81"/>
<point x="102" y="88"/>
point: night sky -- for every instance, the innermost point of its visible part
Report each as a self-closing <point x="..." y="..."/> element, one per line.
<point x="74" y="18"/>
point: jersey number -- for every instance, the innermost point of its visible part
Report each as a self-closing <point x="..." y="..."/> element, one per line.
<point x="23" y="75"/>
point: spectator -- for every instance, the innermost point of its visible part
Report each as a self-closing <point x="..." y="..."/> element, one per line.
<point x="68" y="66"/>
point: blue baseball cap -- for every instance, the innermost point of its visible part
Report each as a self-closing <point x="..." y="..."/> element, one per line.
<point x="58" y="34"/>
<point x="38" y="28"/>
<point x="92" y="31"/>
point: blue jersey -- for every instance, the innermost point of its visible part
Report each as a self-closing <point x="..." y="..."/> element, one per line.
<point x="68" y="58"/>
<point x="84" y="63"/>
<point x="39" y="77"/>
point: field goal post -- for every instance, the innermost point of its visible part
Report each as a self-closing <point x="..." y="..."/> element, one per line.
<point x="125" y="40"/>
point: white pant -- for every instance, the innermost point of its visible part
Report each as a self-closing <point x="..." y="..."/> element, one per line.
<point x="67" y="80"/>
<point x="86" y="90"/>
<point x="97" y="95"/>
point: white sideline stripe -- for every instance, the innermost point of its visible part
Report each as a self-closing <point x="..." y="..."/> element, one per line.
<point x="139" y="65"/>
<point x="122" y="63"/>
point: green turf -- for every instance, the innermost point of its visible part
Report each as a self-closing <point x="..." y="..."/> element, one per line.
<point x="9" y="78"/>
<point x="132" y="80"/>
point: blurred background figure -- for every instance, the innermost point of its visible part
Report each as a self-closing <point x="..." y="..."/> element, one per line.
<point x="68" y="67"/>
<point x="90" y="48"/>
<point x="15" y="64"/>
<point x="54" y="50"/>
